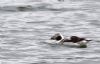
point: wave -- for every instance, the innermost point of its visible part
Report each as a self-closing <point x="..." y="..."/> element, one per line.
<point x="36" y="7"/>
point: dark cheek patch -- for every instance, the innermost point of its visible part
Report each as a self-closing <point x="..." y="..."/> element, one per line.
<point x="58" y="38"/>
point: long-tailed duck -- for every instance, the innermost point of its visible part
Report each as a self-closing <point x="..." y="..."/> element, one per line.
<point x="74" y="39"/>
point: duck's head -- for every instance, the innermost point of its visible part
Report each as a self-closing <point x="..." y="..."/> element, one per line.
<point x="57" y="37"/>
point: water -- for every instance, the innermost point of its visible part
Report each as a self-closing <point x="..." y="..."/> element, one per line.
<point x="25" y="25"/>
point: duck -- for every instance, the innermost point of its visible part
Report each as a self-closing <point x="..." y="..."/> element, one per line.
<point x="81" y="41"/>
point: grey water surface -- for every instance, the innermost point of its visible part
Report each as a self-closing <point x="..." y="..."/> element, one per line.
<point x="25" y="25"/>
